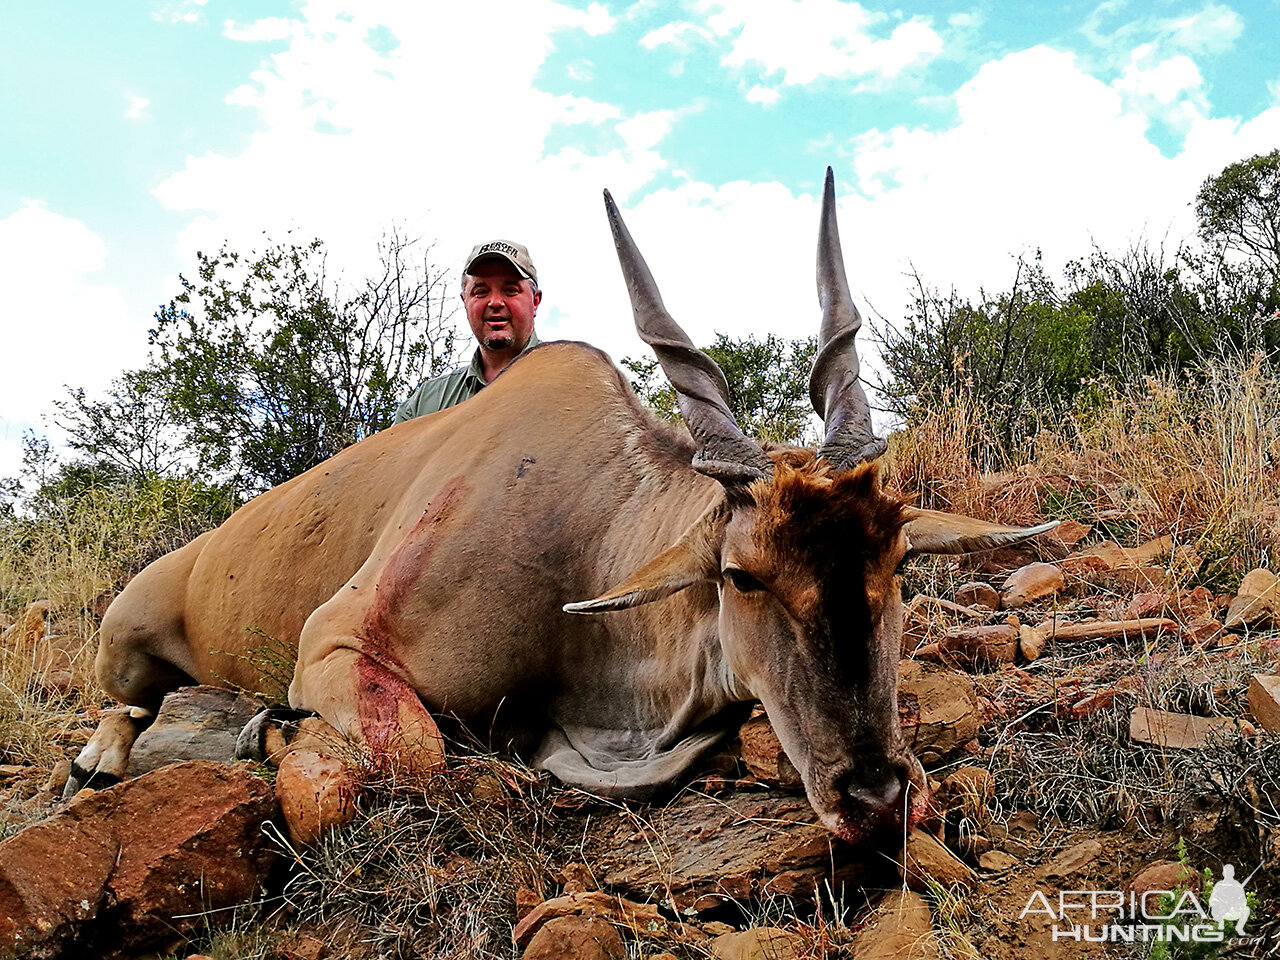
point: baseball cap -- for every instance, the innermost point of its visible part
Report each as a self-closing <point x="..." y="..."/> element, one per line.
<point x="517" y="254"/>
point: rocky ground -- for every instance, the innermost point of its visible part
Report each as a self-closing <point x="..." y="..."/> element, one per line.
<point x="1088" y="723"/>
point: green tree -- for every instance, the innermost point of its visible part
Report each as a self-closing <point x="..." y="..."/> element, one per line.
<point x="768" y="385"/>
<point x="1239" y="209"/>
<point x="270" y="368"/>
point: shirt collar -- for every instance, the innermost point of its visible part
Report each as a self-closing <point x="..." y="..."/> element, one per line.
<point x="476" y="368"/>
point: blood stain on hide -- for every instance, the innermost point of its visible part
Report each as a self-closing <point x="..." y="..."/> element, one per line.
<point x="403" y="569"/>
<point x="379" y="694"/>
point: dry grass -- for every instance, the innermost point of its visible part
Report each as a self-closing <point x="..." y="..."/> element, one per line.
<point x="1194" y="455"/>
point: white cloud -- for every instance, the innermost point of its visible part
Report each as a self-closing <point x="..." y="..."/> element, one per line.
<point x="679" y="34"/>
<point x="766" y="96"/>
<point x="179" y="11"/>
<point x="266" y="29"/>
<point x="1041" y="153"/>
<point x="442" y="136"/>
<point x="137" y="108"/>
<point x="65" y="327"/>
<point x="808" y="39"/>
<point x="1214" y="29"/>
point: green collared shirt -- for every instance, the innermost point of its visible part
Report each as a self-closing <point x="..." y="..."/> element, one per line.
<point x="450" y="388"/>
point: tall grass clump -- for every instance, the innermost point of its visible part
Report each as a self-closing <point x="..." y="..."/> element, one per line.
<point x="1195" y="454"/>
<point x="78" y="540"/>
<point x="1205" y="445"/>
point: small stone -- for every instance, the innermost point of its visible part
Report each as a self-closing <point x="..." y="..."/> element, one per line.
<point x="1035" y="581"/>
<point x="576" y="938"/>
<point x="928" y="860"/>
<point x="578" y="878"/>
<point x="57" y="778"/>
<point x="1204" y="632"/>
<point x="1031" y="642"/>
<point x="1264" y="701"/>
<point x="966" y="784"/>
<point x="1072" y="860"/>
<point x="526" y="900"/>
<point x="316" y="793"/>
<point x="763" y="755"/>
<point x="975" y="592"/>
<point x="975" y="646"/>
<point x="758" y="943"/>
<point x="997" y="861"/>
<point x="1257" y="600"/>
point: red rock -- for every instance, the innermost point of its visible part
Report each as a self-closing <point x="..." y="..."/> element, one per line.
<point x="928" y="860"/>
<point x="1069" y="532"/>
<point x="974" y="646"/>
<point x="763" y="755"/>
<point x="1072" y="860"/>
<point x="758" y="943"/>
<point x="1147" y="604"/>
<point x="902" y="929"/>
<point x="135" y="864"/>
<point x="997" y="861"/>
<point x="1080" y="565"/>
<point x="966" y="783"/>
<point x="1035" y="581"/>
<point x="1163" y="875"/>
<point x="576" y="938"/>
<point x="1175" y="731"/>
<point x="1204" y="633"/>
<point x="316" y="794"/>
<point x="967" y="594"/>
<point x="1257" y="600"/>
<point x="1264" y="701"/>
<point x="938" y="709"/>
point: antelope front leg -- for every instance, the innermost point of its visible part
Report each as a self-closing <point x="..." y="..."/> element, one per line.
<point x="373" y="706"/>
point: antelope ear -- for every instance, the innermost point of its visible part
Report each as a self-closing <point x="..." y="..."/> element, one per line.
<point x="931" y="531"/>
<point x="692" y="559"/>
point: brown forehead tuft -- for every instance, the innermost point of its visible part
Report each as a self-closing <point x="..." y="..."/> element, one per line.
<point x="810" y="514"/>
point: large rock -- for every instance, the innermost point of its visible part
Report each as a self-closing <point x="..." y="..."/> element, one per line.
<point x="194" y="723"/>
<point x="703" y="852"/>
<point x="124" y="868"/>
<point x="901" y="929"/>
<point x="576" y="938"/>
<point x="938" y="708"/>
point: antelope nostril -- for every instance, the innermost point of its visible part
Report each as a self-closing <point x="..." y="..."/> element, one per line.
<point x="876" y="788"/>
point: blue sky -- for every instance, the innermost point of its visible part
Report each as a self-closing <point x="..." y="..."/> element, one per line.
<point x="962" y="134"/>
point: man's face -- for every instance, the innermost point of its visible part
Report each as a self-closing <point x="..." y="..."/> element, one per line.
<point x="500" y="305"/>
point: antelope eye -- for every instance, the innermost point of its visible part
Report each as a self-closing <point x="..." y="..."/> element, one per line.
<point x="742" y="581"/>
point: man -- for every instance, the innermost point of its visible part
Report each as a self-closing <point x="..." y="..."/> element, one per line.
<point x="500" y="295"/>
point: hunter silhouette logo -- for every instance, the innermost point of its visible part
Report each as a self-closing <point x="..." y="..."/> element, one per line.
<point x="1118" y="916"/>
<point x="1228" y="903"/>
